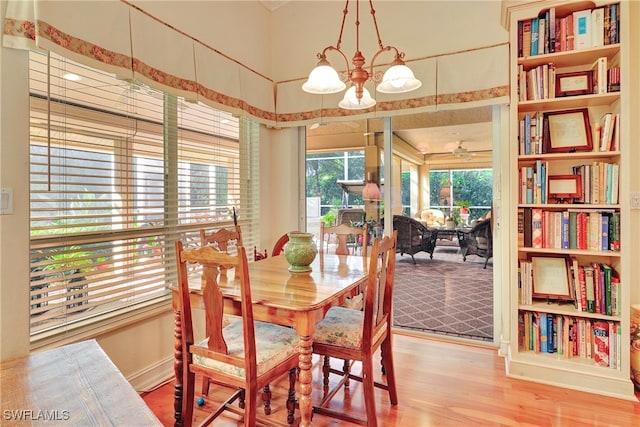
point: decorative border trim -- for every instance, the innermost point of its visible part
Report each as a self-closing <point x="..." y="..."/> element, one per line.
<point x="27" y="30"/>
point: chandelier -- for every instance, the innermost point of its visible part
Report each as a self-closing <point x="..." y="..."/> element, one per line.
<point x="324" y="79"/>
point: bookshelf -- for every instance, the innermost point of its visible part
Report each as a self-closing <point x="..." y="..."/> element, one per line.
<point x="570" y="288"/>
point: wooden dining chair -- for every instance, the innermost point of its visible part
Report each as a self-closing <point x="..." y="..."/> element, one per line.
<point x="343" y="235"/>
<point x="257" y="256"/>
<point x="222" y="238"/>
<point x="278" y="247"/>
<point x="357" y="335"/>
<point x="245" y="355"/>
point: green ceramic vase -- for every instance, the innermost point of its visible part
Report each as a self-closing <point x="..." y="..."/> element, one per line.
<point x="300" y="251"/>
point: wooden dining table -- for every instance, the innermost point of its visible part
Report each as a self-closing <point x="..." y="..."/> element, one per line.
<point x="299" y="300"/>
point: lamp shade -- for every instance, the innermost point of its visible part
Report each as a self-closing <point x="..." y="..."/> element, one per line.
<point x="398" y="79"/>
<point x="371" y="191"/>
<point x="351" y="102"/>
<point x="323" y="79"/>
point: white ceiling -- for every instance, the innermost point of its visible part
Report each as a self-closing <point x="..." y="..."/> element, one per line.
<point x="427" y="133"/>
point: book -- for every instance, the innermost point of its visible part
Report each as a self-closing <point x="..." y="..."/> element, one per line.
<point x="590" y="288"/>
<point x="607" y="270"/>
<point x="536" y="228"/>
<point x="528" y="231"/>
<point x="614" y="22"/>
<point x="615" y="296"/>
<point x="535" y="27"/>
<point x="542" y="35"/>
<point x="544" y="332"/>
<point x="599" y="75"/>
<point x="582" y="275"/>
<point x="597" y="27"/>
<point x="553" y="29"/>
<point x="607" y="126"/>
<point x="601" y="342"/>
<point x="520" y="227"/>
<point x="604" y="245"/>
<point x="614" y="231"/>
<point x="575" y="282"/>
<point x="582" y="29"/>
<point x="526" y="38"/>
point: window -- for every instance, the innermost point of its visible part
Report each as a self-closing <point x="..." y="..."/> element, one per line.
<point x="323" y="172"/>
<point x="449" y="189"/>
<point x="119" y="172"/>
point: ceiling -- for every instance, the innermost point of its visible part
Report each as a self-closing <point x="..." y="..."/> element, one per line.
<point x="436" y="133"/>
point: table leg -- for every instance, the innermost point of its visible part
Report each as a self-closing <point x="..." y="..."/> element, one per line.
<point x="306" y="406"/>
<point x="178" y="370"/>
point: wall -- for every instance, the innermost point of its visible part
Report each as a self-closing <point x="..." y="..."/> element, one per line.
<point x="14" y="228"/>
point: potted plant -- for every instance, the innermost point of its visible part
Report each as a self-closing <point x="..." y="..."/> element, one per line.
<point x="464" y="206"/>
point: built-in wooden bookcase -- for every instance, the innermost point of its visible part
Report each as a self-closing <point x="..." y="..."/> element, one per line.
<point x="565" y="199"/>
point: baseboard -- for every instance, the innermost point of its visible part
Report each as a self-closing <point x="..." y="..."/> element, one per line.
<point x="153" y="376"/>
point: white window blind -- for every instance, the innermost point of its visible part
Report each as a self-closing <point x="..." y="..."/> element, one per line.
<point x="119" y="172"/>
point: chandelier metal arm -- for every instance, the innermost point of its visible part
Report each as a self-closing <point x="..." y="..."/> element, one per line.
<point x="401" y="79"/>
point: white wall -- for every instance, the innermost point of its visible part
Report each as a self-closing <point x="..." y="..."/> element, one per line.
<point x="14" y="228"/>
<point x="419" y="28"/>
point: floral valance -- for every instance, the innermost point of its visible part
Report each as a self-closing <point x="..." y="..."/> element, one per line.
<point x="120" y="38"/>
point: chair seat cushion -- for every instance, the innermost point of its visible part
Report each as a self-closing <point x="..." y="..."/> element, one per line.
<point x="342" y="327"/>
<point x="274" y="344"/>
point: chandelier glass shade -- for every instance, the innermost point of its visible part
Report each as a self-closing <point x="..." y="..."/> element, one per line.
<point x="351" y="101"/>
<point x="324" y="79"/>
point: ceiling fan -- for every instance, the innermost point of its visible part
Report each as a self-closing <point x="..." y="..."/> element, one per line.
<point x="461" y="152"/>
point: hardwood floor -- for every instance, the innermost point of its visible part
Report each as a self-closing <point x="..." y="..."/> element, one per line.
<point x="442" y="383"/>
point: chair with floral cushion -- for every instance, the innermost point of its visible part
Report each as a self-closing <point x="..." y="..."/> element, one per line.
<point x="344" y="235"/>
<point x="357" y="335"/>
<point x="245" y="355"/>
<point x="225" y="240"/>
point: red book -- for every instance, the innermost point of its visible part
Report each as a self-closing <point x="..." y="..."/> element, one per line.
<point x="583" y="288"/>
<point x="601" y="342"/>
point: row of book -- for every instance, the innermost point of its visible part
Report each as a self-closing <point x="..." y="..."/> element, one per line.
<point x="593" y="288"/>
<point x="600" y="183"/>
<point x="533" y="134"/>
<point x="543" y="82"/>
<point x="583" y="29"/>
<point x="570" y="337"/>
<point x="595" y="183"/>
<point x="569" y="229"/>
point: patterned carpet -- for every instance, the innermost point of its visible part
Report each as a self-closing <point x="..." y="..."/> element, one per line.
<point x="444" y="295"/>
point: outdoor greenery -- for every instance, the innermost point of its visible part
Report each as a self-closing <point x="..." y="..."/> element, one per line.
<point x="323" y="170"/>
<point x="471" y="188"/>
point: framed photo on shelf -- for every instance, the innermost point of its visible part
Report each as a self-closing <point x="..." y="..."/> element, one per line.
<point x="567" y="131"/>
<point x="564" y="187"/>
<point x="551" y="277"/>
<point x="570" y="84"/>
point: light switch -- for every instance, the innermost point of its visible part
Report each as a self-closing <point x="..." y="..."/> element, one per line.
<point x="635" y="200"/>
<point x="6" y="201"/>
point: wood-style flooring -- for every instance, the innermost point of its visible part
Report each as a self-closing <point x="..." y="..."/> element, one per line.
<point x="444" y="383"/>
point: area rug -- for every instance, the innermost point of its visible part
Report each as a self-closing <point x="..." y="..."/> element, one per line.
<point x="444" y="295"/>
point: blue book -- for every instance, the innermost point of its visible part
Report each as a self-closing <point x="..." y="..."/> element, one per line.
<point x="613" y="24"/>
<point x="534" y="36"/>
<point x="565" y="229"/>
<point x="552" y="334"/>
<point x="530" y="185"/>
<point x="544" y="334"/>
<point x="605" y="232"/>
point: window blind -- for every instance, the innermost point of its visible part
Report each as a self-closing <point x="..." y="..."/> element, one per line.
<point x="118" y="173"/>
